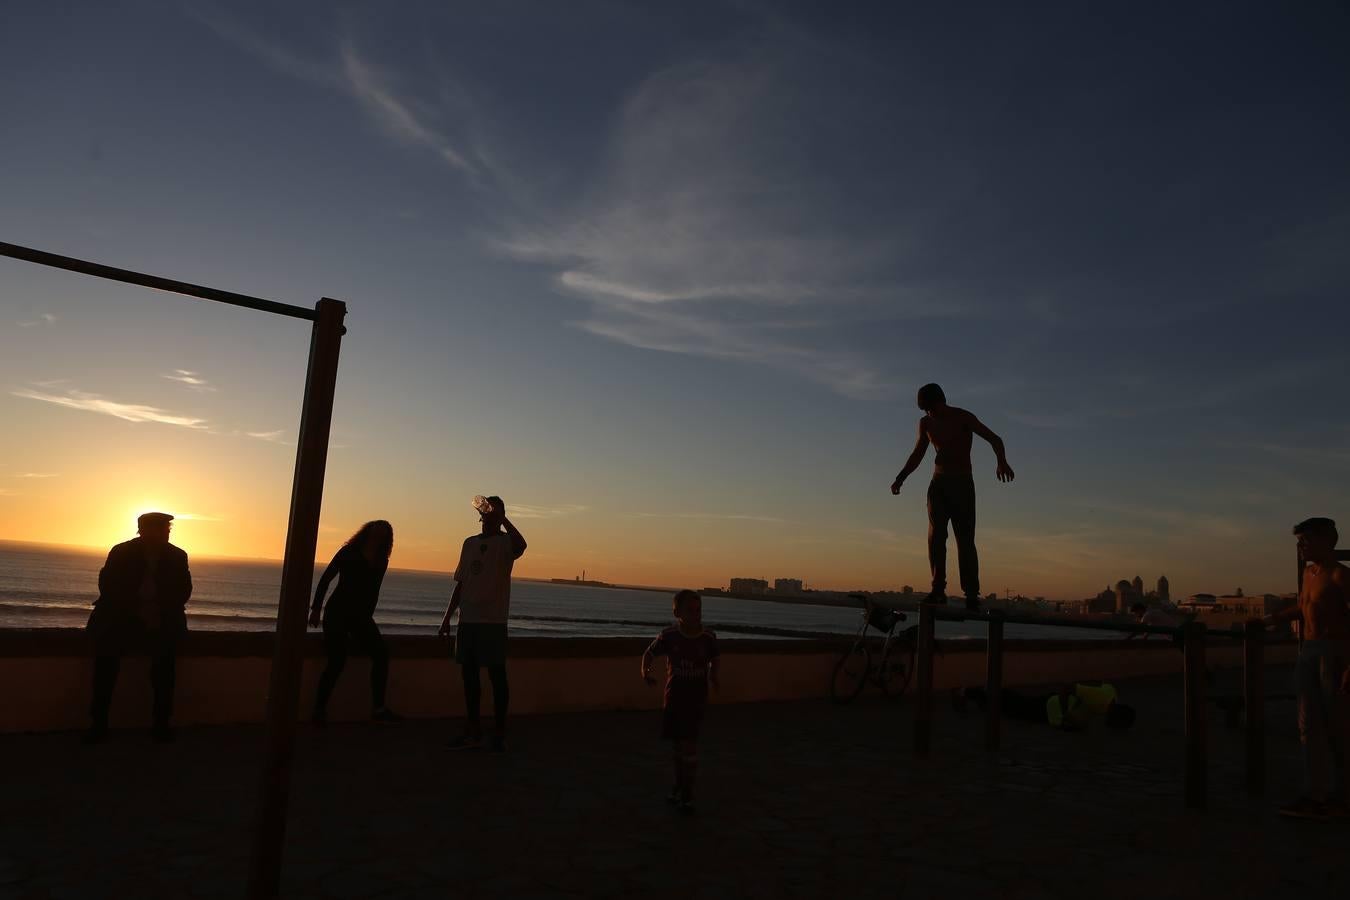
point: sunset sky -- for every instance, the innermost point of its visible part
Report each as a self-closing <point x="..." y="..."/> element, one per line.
<point x="667" y="276"/>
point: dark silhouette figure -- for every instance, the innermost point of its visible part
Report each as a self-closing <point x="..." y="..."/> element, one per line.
<point x="1321" y="672"/>
<point x="1071" y="708"/>
<point x="483" y="597"/>
<point x="349" y="620"/>
<point x="692" y="665"/>
<point x="143" y="589"/>
<point x="951" y="493"/>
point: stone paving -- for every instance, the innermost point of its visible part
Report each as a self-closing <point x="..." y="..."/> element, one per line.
<point x="796" y="800"/>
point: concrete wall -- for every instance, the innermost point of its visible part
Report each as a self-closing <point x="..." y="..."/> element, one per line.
<point x="222" y="677"/>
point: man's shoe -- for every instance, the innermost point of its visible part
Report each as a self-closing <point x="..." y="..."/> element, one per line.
<point x="1304" y="808"/>
<point x="162" y="734"/>
<point x="466" y="742"/>
<point x="938" y="597"/>
<point x="320" y="718"/>
<point x="959" y="700"/>
<point x="385" y="715"/>
<point x="96" y="735"/>
<point x="972" y="604"/>
<point x="497" y="744"/>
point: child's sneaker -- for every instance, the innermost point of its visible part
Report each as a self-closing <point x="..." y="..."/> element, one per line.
<point x="497" y="744"/>
<point x="674" y="797"/>
<point x="937" y="597"/>
<point x="686" y="806"/>
<point x="385" y="715"/>
<point x="466" y="742"/>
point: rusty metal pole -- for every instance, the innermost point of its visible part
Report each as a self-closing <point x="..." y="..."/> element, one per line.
<point x="993" y="683"/>
<point x="297" y="577"/>
<point x="923" y="711"/>
<point x="1254" y="700"/>
<point x="1196" y="764"/>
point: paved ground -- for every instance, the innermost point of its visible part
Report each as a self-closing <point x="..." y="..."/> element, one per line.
<point x="797" y="800"/>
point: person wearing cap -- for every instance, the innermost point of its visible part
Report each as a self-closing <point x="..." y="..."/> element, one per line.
<point x="1321" y="672"/>
<point x="143" y="590"/>
<point x="482" y="596"/>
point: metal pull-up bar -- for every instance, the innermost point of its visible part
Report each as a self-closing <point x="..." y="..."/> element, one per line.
<point x="111" y="273"/>
<point x="302" y="537"/>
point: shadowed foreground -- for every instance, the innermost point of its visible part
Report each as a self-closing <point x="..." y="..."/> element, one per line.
<point x="795" y="800"/>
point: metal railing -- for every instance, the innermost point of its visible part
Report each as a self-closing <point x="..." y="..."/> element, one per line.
<point x="1194" y="636"/>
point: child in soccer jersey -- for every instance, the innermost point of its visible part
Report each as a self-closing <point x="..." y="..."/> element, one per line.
<point x="691" y="665"/>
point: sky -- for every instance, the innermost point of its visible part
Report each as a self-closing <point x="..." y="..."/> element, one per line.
<point x="666" y="277"/>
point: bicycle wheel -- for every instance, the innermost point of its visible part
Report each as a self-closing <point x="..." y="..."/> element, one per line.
<point x="850" y="673"/>
<point x="898" y="668"/>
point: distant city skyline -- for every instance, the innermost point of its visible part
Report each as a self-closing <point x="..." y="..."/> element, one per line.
<point x="667" y="278"/>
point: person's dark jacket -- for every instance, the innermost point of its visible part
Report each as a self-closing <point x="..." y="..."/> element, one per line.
<point x="120" y="614"/>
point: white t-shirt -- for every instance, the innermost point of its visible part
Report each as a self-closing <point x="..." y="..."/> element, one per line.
<point x="484" y="576"/>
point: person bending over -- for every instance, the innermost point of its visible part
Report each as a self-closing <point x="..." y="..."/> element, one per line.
<point x="349" y="619"/>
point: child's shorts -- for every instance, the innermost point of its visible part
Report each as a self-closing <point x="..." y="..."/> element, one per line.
<point x="682" y="718"/>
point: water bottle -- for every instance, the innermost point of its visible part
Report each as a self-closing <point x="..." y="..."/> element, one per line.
<point x="482" y="504"/>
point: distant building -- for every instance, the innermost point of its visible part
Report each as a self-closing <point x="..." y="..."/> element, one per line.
<point x="748" y="586"/>
<point x="791" y="586"/>
<point x="1164" y="591"/>
<point x="1138" y="586"/>
<point x="1124" y="596"/>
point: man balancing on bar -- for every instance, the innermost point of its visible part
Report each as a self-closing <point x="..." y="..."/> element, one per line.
<point x="951" y="493"/>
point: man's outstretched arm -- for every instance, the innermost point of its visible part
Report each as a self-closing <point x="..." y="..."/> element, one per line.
<point x="915" y="457"/>
<point x="1005" y="472"/>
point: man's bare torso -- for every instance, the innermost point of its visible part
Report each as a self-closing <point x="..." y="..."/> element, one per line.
<point x="951" y="436"/>
<point x="1323" y="603"/>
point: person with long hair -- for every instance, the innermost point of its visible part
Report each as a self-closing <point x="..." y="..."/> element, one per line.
<point x="349" y="619"/>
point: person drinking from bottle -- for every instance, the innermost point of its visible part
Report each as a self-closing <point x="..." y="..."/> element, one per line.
<point x="951" y="493"/>
<point x="483" y="597"/>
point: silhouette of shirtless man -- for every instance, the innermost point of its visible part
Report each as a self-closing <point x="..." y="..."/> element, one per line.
<point x="951" y="493"/>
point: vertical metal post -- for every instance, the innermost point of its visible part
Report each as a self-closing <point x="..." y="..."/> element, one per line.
<point x="993" y="683"/>
<point x="923" y="712"/>
<point x="1254" y="701"/>
<point x="297" y="577"/>
<point x="1195" y="676"/>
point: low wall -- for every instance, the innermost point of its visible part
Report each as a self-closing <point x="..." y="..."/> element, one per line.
<point x="222" y="677"/>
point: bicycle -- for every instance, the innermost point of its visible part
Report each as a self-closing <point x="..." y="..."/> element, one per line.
<point x="895" y="664"/>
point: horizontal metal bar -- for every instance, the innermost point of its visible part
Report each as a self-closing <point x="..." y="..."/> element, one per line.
<point x="84" y="267"/>
<point x="959" y="615"/>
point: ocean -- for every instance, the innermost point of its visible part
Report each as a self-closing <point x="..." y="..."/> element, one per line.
<point x="51" y="587"/>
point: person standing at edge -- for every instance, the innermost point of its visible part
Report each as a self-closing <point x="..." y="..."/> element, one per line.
<point x="951" y="493"/>
<point x="349" y="620"/>
<point x="143" y="590"/>
<point x="1322" y="672"/>
<point x="483" y="597"/>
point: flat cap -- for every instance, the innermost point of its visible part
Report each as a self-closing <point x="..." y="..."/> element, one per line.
<point x="153" y="518"/>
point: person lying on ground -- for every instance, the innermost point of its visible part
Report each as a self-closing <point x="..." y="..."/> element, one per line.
<point x="1072" y="708"/>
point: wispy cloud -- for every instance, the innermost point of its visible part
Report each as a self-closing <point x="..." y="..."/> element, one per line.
<point x="403" y="118"/>
<point x="709" y="227"/>
<point x="275" y="437"/>
<point x="195" y="517"/>
<point x="732" y="517"/>
<point x="526" y="511"/>
<point x="37" y="475"/>
<point x="191" y="379"/>
<point x="129" y="412"/>
<point x="43" y="319"/>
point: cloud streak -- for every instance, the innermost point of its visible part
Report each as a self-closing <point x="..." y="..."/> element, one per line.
<point x="191" y="379"/>
<point x="42" y="320"/>
<point x="526" y="511"/>
<point x="128" y="412"/>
